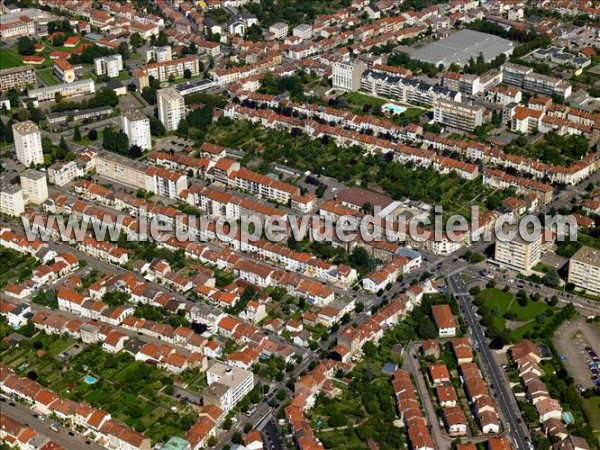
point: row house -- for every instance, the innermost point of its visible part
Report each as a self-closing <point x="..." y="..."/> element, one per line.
<point x="80" y="414"/>
<point x="262" y="186"/>
<point x="20" y="243"/>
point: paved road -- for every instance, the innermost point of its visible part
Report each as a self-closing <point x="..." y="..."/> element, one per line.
<point x="272" y="436"/>
<point x="24" y="415"/>
<point x="504" y="399"/>
<point x="441" y="439"/>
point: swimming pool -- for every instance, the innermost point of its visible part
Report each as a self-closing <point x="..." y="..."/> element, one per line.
<point x="90" y="379"/>
<point x="393" y="108"/>
<point x="568" y="417"/>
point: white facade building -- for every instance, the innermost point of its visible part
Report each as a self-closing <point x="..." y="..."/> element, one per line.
<point x="584" y="269"/>
<point x="11" y="200"/>
<point x="109" y="65"/>
<point x="347" y="75"/>
<point x="35" y="186"/>
<point x="28" y="143"/>
<point x="137" y="127"/>
<point x="171" y="107"/>
<point x="63" y="173"/>
<point x="227" y="385"/>
<point x="159" y="54"/>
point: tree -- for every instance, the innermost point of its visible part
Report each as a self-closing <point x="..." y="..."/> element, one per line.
<point x="361" y="260"/>
<point x="77" y="134"/>
<point x="124" y="50"/>
<point x="135" y="151"/>
<point x="338" y="420"/>
<point x="63" y="143"/>
<point x="426" y="328"/>
<point x="156" y="127"/>
<point x="236" y="438"/>
<point x="32" y="375"/>
<point x="136" y="40"/>
<point x="551" y="278"/>
<point x="187" y="74"/>
<point x="58" y="40"/>
<point x="227" y="423"/>
<point x="248" y="427"/>
<point x="92" y="135"/>
<point x="25" y="46"/>
<point x="162" y="39"/>
<point x="115" y="141"/>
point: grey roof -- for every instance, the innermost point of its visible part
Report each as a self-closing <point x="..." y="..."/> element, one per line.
<point x="461" y="46"/>
<point x="33" y="174"/>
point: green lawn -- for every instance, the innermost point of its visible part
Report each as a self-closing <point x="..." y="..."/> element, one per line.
<point x="124" y="75"/>
<point x="358" y="99"/>
<point x="494" y="304"/>
<point x="342" y="439"/>
<point x="9" y="58"/>
<point x="591" y="406"/>
<point x="47" y="75"/>
<point x="86" y="142"/>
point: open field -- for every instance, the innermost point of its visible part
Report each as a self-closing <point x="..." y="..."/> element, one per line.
<point x="47" y="75"/>
<point x="9" y="58"/>
<point x="502" y="311"/>
<point x="591" y="407"/>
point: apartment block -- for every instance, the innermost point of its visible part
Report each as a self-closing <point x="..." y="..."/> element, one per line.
<point x="162" y="71"/>
<point x="35" y="186"/>
<point x="303" y="31"/>
<point x="227" y="385"/>
<point x="108" y="65"/>
<point x="524" y="77"/>
<point x="584" y="269"/>
<point x="405" y="89"/>
<point x="347" y="75"/>
<point x="262" y="186"/>
<point x="120" y="169"/>
<point x="171" y="107"/>
<point x="28" y="143"/>
<point x="165" y="182"/>
<point x="23" y="26"/>
<point x="458" y="115"/>
<point x="63" y="173"/>
<point x="46" y="94"/>
<point x="17" y="78"/>
<point x="159" y="54"/>
<point x="279" y="30"/>
<point x="11" y="200"/>
<point x="518" y="253"/>
<point x="136" y="125"/>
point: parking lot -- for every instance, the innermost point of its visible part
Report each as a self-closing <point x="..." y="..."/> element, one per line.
<point x="571" y="341"/>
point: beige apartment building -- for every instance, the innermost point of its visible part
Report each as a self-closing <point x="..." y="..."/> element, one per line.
<point x="584" y="269"/>
<point x="518" y="253"/>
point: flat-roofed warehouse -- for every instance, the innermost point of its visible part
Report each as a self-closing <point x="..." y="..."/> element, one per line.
<point x="460" y="47"/>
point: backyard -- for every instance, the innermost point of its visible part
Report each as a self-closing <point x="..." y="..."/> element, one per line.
<point x="14" y="266"/>
<point x="130" y="390"/>
<point x="350" y="165"/>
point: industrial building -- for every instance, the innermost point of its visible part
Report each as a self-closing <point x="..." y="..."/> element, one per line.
<point x="461" y="46"/>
